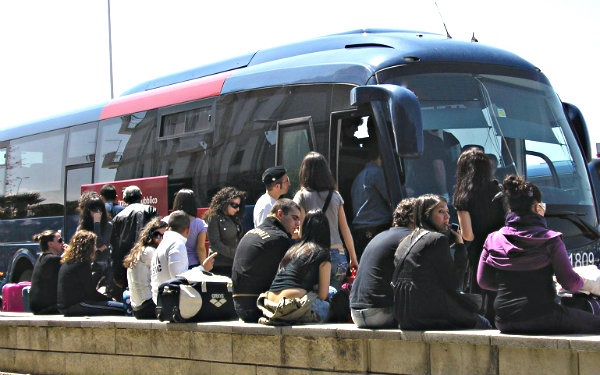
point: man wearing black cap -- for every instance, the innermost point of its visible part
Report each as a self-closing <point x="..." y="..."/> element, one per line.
<point x="277" y="183"/>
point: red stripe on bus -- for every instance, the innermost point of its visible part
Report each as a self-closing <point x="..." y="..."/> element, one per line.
<point x="163" y="96"/>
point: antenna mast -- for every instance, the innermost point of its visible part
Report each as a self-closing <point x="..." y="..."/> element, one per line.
<point x="444" y="23"/>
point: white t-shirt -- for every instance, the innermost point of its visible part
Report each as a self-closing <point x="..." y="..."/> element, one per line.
<point x="169" y="260"/>
<point x="138" y="278"/>
<point x="262" y="208"/>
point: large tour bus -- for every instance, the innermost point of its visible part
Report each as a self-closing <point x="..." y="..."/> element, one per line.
<point x="224" y="123"/>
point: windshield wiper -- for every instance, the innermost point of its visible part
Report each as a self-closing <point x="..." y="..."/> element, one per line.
<point x="587" y="230"/>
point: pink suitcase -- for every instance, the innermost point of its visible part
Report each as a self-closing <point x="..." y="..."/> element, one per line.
<point x="12" y="296"/>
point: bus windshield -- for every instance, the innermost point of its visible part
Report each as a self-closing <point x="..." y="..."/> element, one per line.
<point x="519" y="123"/>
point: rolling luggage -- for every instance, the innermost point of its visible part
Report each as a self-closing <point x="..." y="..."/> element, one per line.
<point x="195" y="296"/>
<point x="12" y="296"/>
<point x="26" y="306"/>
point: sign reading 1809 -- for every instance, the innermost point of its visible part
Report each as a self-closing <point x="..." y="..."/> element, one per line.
<point x="585" y="256"/>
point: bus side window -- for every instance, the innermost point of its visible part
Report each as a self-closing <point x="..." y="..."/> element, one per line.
<point x="295" y="139"/>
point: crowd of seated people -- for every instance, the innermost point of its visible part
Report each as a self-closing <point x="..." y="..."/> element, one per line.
<point x="415" y="273"/>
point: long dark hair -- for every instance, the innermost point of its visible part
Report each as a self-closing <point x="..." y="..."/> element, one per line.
<point x="315" y="173"/>
<point x="89" y="201"/>
<point x="519" y="194"/>
<point x="144" y="239"/>
<point x="185" y="200"/>
<point x="473" y="176"/>
<point x="315" y="237"/>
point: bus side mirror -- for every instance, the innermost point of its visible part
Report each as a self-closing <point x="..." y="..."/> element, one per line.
<point x="398" y="106"/>
<point x="579" y="128"/>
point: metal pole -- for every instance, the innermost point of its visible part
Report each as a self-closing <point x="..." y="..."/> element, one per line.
<point x="112" y="95"/>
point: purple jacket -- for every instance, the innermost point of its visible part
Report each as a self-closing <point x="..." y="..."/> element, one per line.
<point x="525" y="243"/>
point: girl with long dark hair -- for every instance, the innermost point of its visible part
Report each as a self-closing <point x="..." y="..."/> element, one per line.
<point x="317" y="186"/>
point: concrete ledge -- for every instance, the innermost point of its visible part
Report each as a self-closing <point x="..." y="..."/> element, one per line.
<point x="117" y="345"/>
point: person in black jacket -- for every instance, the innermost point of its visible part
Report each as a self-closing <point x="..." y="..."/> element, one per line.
<point x="258" y="255"/>
<point x="224" y="220"/>
<point x="42" y="296"/>
<point x="425" y="283"/>
<point x="371" y="296"/>
<point x="76" y="292"/>
<point x="126" y="227"/>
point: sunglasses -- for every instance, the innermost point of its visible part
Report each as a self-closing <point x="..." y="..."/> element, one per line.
<point x="96" y="209"/>
<point x="235" y="206"/>
<point x="157" y="235"/>
<point x="60" y="240"/>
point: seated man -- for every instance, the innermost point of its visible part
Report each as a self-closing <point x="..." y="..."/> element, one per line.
<point x="258" y="255"/>
<point x="371" y="297"/>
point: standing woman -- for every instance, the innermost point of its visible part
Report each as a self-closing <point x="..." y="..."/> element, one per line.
<point x="479" y="207"/>
<point x="305" y="270"/>
<point x="137" y="263"/>
<point x="185" y="200"/>
<point x="318" y="190"/>
<point x="425" y="284"/>
<point x="224" y="217"/>
<point x="519" y="261"/>
<point x="93" y="218"/>
<point x="76" y="292"/>
<point x="45" y="273"/>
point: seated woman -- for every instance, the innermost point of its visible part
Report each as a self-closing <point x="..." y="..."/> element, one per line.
<point x="300" y="290"/>
<point x="76" y="293"/>
<point x="425" y="283"/>
<point x="519" y="260"/>
<point x="137" y="263"/>
<point x="42" y="298"/>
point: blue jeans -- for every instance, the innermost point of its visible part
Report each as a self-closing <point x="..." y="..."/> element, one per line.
<point x="374" y="317"/>
<point x="321" y="308"/>
<point x="339" y="267"/>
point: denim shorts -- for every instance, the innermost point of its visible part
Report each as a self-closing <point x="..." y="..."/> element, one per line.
<point x="321" y="308"/>
<point x="339" y="267"/>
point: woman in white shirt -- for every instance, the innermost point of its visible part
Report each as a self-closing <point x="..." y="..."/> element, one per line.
<point x="137" y="264"/>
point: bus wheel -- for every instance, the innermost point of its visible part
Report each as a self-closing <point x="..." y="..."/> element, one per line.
<point x="25" y="275"/>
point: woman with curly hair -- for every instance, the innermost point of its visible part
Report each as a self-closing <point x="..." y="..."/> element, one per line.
<point x="137" y="263"/>
<point x="76" y="292"/>
<point x="224" y="217"/>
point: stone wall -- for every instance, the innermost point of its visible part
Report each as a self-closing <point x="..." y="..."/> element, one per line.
<point x="120" y="345"/>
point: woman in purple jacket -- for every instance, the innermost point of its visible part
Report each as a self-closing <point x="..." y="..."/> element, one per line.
<point x="519" y="260"/>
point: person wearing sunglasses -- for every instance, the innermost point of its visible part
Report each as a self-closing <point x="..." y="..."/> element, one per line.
<point x="137" y="263"/>
<point x="42" y="296"/>
<point x="223" y="218"/>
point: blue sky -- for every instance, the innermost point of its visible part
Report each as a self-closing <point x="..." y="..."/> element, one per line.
<point x="55" y="54"/>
